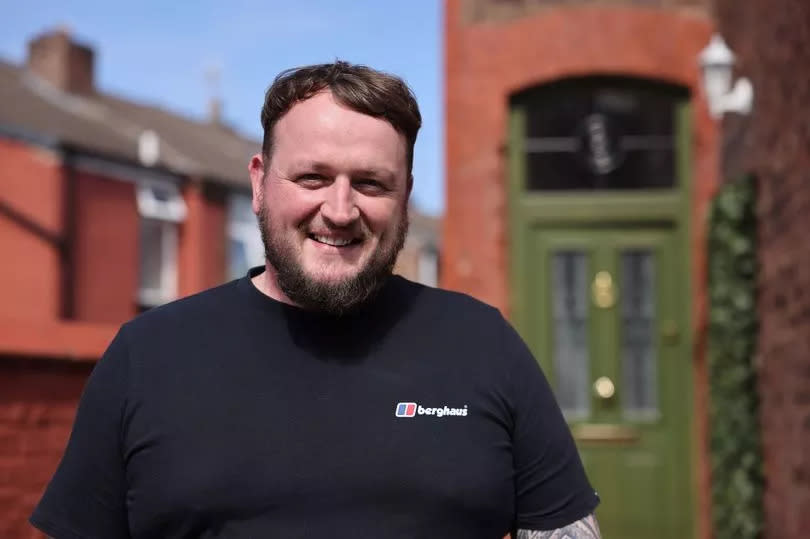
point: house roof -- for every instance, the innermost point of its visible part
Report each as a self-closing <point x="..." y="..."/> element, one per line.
<point x="110" y="126"/>
<point x="104" y="124"/>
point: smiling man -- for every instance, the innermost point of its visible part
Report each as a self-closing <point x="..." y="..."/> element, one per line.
<point x="331" y="190"/>
<point x="320" y="396"/>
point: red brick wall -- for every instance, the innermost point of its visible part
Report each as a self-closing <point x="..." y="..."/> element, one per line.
<point x="487" y="62"/>
<point x="772" y="42"/>
<point x="31" y="184"/>
<point x="37" y="405"/>
<point x="105" y="250"/>
<point x="203" y="252"/>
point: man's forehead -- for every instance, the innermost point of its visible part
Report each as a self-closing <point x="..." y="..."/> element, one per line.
<point x="322" y="132"/>
<point x="324" y="114"/>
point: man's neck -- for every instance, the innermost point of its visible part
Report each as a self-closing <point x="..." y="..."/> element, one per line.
<point x="267" y="284"/>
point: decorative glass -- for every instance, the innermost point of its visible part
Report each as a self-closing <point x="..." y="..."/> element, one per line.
<point x="601" y="133"/>
<point x="569" y="294"/>
<point x="638" y="347"/>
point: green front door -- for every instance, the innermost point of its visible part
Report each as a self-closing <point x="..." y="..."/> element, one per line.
<point x="599" y="205"/>
<point x="606" y="323"/>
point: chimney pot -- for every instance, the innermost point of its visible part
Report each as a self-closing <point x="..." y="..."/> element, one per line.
<point x="56" y="58"/>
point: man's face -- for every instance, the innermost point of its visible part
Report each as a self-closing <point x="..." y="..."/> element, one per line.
<point x="332" y="203"/>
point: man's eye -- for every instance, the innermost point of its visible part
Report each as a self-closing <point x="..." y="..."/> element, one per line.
<point x="311" y="180"/>
<point x="367" y="184"/>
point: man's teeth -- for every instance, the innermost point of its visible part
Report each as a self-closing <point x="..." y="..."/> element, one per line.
<point x="332" y="241"/>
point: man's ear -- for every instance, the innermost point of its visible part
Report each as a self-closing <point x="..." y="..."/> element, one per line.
<point x="409" y="185"/>
<point x="256" y="170"/>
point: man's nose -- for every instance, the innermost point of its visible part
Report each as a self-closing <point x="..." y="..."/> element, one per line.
<point x="339" y="208"/>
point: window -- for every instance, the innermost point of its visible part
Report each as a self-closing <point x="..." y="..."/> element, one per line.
<point x="161" y="208"/>
<point x="245" y="248"/>
<point x="601" y="133"/>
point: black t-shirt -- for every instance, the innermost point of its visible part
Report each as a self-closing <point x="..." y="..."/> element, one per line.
<point x="229" y="414"/>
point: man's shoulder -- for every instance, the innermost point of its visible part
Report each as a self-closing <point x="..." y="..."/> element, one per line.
<point x="203" y="307"/>
<point x="457" y="305"/>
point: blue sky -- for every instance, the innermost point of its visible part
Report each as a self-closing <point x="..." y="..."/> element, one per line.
<point x="158" y="52"/>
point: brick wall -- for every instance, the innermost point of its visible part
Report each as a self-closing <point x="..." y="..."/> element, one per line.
<point x="202" y="255"/>
<point x="31" y="180"/>
<point x="772" y="41"/>
<point x="105" y="250"/>
<point x="37" y="406"/>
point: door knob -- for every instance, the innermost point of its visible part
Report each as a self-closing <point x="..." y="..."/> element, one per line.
<point x="604" y="387"/>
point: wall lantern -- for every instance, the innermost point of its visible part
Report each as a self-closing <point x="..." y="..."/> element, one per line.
<point x="716" y="62"/>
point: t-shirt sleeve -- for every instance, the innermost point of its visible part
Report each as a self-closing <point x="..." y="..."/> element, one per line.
<point x="86" y="496"/>
<point x="551" y="487"/>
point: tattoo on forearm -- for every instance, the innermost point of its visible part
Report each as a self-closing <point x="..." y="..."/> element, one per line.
<point x="587" y="528"/>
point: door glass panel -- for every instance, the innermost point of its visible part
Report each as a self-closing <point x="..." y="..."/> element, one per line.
<point x="638" y="346"/>
<point x="570" y="314"/>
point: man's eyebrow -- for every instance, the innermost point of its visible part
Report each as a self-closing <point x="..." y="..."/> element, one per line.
<point x="380" y="173"/>
<point x="315" y="166"/>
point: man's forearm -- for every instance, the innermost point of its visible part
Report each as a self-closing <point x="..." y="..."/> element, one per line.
<point x="586" y="528"/>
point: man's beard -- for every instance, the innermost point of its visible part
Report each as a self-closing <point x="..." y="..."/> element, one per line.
<point x="332" y="297"/>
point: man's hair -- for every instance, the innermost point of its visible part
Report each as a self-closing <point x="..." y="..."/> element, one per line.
<point x="358" y="87"/>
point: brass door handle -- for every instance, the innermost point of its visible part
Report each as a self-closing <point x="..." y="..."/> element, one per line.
<point x="604" y="387"/>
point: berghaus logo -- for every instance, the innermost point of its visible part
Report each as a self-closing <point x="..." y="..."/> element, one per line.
<point x="412" y="409"/>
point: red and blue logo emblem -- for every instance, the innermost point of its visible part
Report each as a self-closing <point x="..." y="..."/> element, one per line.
<point x="406" y="409"/>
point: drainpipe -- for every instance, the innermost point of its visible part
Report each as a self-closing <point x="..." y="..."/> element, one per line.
<point x="67" y="242"/>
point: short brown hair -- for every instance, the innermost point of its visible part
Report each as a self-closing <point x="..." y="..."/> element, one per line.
<point x="358" y="87"/>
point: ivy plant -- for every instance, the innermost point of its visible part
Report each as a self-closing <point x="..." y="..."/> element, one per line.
<point x="736" y="455"/>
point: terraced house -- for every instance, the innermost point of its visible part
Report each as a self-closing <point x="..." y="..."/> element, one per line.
<point x="583" y="160"/>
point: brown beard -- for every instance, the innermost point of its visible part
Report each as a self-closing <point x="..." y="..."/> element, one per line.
<point x="335" y="298"/>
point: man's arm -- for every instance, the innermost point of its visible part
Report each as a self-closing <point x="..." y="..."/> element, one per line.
<point x="587" y="528"/>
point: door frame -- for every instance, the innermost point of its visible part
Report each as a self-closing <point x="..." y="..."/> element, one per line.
<point x="637" y="209"/>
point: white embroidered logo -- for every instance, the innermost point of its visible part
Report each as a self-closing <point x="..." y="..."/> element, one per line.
<point x="411" y="409"/>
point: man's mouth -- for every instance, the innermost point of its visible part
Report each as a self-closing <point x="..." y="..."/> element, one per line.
<point x="335" y="242"/>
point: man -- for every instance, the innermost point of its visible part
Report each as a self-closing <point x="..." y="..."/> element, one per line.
<point x="320" y="396"/>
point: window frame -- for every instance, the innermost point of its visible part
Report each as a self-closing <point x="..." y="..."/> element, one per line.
<point x="242" y="228"/>
<point x="167" y="211"/>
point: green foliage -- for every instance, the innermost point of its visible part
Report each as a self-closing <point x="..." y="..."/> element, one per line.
<point x="736" y="455"/>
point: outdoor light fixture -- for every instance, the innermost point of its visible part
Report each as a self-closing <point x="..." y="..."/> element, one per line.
<point x="716" y="62"/>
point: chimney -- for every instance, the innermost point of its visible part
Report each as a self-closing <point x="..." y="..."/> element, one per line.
<point x="213" y="74"/>
<point x="65" y="64"/>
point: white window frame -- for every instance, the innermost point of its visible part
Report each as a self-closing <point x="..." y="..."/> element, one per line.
<point x="150" y="206"/>
<point x="168" y="211"/>
<point x="243" y="228"/>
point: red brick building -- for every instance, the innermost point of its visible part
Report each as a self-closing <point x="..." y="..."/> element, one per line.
<point x="107" y="207"/>
<point x="772" y="43"/>
<point x="581" y="161"/>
